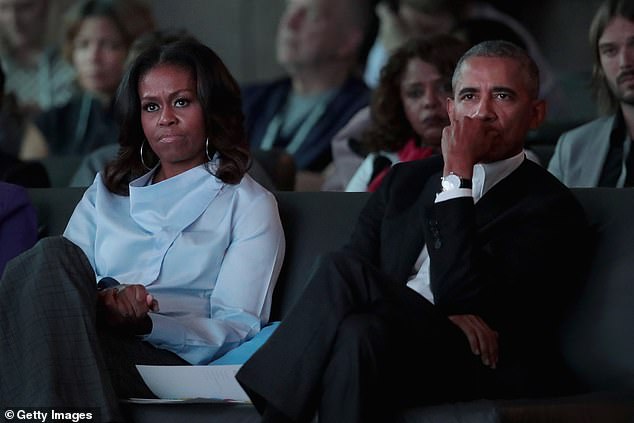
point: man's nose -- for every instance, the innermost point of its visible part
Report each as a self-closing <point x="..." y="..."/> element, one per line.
<point x="626" y="57"/>
<point x="484" y="110"/>
<point x="292" y="18"/>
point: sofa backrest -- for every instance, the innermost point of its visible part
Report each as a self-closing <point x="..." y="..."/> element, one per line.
<point x="314" y="223"/>
<point x="598" y="335"/>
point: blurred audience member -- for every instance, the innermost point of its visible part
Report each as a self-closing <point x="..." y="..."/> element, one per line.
<point x="97" y="39"/>
<point x="18" y="222"/>
<point x="12" y="169"/>
<point x="409" y="108"/>
<point x="403" y="19"/>
<point x="600" y="153"/>
<point x="96" y="160"/>
<point x="36" y="72"/>
<point x="318" y="43"/>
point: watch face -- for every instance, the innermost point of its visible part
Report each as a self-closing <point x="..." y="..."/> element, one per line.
<point x="450" y="182"/>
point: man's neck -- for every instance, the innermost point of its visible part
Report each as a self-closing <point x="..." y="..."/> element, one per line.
<point x="628" y="116"/>
<point x="315" y="80"/>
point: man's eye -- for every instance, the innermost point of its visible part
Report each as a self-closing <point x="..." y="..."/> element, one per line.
<point x="467" y="97"/>
<point x="609" y="51"/>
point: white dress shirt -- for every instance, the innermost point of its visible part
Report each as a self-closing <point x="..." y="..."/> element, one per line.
<point x="209" y="252"/>
<point x="485" y="176"/>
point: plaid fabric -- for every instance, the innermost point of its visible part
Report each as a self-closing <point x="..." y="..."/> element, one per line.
<point x="52" y="354"/>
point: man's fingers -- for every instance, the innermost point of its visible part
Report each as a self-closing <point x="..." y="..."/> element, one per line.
<point x="487" y="339"/>
<point x="482" y="339"/>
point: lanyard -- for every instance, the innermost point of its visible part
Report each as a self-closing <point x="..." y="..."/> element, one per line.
<point x="274" y="127"/>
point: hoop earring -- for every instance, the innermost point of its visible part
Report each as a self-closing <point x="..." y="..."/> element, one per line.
<point x="207" y="149"/>
<point x="142" y="159"/>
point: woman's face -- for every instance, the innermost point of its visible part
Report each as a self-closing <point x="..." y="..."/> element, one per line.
<point x="424" y="93"/>
<point x="99" y="54"/>
<point x="172" y="118"/>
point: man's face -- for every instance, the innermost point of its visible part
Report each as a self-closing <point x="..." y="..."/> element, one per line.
<point x="22" y="21"/>
<point x="496" y="92"/>
<point x="311" y="32"/>
<point x="616" y="51"/>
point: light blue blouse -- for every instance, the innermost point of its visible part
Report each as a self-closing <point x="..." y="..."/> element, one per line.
<point x="209" y="252"/>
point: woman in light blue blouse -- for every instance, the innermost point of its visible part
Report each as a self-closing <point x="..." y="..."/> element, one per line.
<point x="171" y="256"/>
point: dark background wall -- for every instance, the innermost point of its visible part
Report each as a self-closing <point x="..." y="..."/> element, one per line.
<point x="243" y="31"/>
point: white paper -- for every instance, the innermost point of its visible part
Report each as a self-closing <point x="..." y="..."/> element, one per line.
<point x="183" y="382"/>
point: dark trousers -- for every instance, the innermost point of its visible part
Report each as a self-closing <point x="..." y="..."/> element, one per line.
<point x="52" y="352"/>
<point x="354" y="345"/>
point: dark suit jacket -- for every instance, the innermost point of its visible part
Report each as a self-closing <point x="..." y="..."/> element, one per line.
<point x="514" y="258"/>
<point x="262" y="102"/>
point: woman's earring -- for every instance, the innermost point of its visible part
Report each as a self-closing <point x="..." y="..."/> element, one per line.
<point x="142" y="159"/>
<point x="207" y="149"/>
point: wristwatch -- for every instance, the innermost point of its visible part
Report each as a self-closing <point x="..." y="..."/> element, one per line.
<point x="453" y="181"/>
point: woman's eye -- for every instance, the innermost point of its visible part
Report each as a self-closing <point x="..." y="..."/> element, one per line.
<point x="181" y="102"/>
<point x="414" y="93"/>
<point x="150" y="107"/>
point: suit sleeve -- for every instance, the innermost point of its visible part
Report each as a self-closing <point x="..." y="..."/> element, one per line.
<point x="505" y="274"/>
<point x="366" y="237"/>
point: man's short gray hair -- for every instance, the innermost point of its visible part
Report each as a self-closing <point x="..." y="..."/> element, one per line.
<point x="505" y="50"/>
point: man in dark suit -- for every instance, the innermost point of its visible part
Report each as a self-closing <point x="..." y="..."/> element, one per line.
<point x="454" y="279"/>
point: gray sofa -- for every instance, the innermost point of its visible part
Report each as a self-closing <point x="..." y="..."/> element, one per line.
<point x="597" y="337"/>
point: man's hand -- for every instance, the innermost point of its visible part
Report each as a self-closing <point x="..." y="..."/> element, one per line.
<point x="482" y="339"/>
<point x="464" y="143"/>
<point x="126" y="307"/>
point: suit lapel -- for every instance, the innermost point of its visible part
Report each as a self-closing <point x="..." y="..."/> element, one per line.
<point x="415" y="226"/>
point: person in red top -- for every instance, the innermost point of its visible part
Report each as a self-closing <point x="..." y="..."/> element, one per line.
<point x="408" y="110"/>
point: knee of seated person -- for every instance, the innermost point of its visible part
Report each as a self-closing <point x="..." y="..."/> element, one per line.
<point x="360" y="329"/>
<point x="54" y="244"/>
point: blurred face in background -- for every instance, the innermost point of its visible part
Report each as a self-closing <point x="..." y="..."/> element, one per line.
<point x="616" y="51"/>
<point x="22" y="22"/>
<point x="424" y="93"/>
<point x="424" y="24"/>
<point x="312" y="32"/>
<point x="99" y="53"/>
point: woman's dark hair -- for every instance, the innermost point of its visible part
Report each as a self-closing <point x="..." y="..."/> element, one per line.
<point x="219" y="97"/>
<point x="390" y="128"/>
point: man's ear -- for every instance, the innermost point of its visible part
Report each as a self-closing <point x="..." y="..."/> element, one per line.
<point x="538" y="113"/>
<point x="450" y="109"/>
